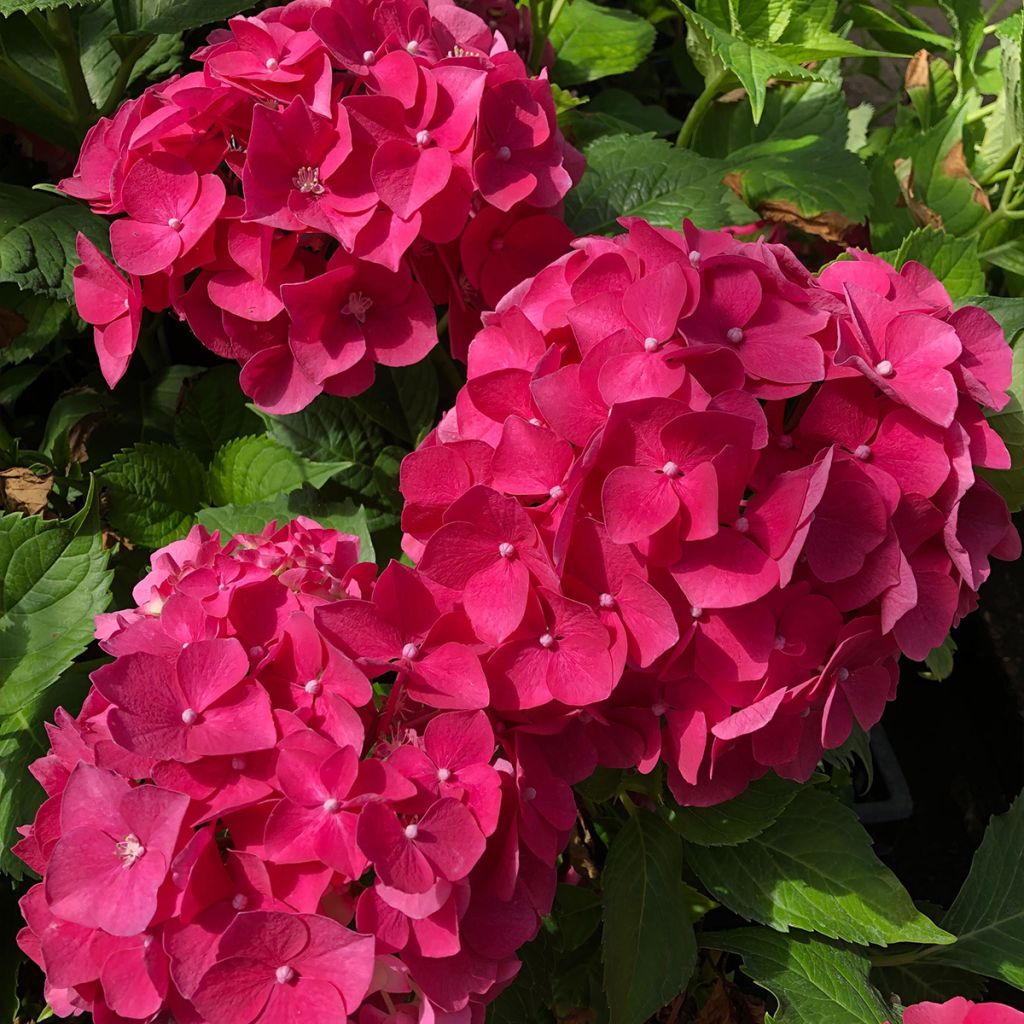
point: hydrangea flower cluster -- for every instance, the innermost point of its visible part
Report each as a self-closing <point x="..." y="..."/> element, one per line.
<point x="332" y="172"/>
<point x="700" y="501"/>
<point x="235" y="832"/>
<point x="962" y="1011"/>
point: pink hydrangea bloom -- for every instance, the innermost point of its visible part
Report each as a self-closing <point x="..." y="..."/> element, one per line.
<point x="326" y="157"/>
<point x="751" y="515"/>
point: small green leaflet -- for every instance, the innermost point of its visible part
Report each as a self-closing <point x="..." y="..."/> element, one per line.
<point x="752" y="65"/>
<point x="37" y="239"/>
<point x="648" y="946"/>
<point x="940" y="660"/>
<point x="814" y="869"/>
<point x="739" y="819"/>
<point x="641" y="176"/>
<point x="594" y="41"/>
<point x="251" y="469"/>
<point x="814" y="983"/>
<point x="988" y="914"/>
<point x="153" y="491"/>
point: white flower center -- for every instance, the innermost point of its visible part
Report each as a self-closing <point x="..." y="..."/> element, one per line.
<point x="240" y="902"/>
<point x="412" y="831"/>
<point x="504" y="153"/>
<point x="506" y="550"/>
<point x="307" y="181"/>
<point x="885" y="368"/>
<point x="651" y="344"/>
<point x="357" y="305"/>
<point x="175" y="224"/>
<point x="312" y="687"/>
<point x="271" y="64"/>
<point x="412" y="46"/>
<point x="670" y="469"/>
<point x="189" y="716"/>
<point x="696" y="611"/>
<point x="606" y="601"/>
<point x="284" y="974"/>
<point x="129" y="850"/>
<point x="422" y="138"/>
<point x="863" y="452"/>
<point x="409" y="651"/>
<point x="557" y="492"/>
<point x="368" y="56"/>
<point x="331" y="805"/>
<point x="443" y="774"/>
<point x="735" y="335"/>
<point x="546" y="640"/>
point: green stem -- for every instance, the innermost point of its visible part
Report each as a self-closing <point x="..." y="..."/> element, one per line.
<point x="700" y="108"/>
<point x="124" y="73"/>
<point x="899" y="959"/>
<point x="60" y="34"/>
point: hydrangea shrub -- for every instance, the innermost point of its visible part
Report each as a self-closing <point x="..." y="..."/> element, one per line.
<point x="584" y="752"/>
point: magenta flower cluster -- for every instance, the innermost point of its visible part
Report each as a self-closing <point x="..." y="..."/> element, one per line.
<point x="333" y="172"/>
<point x="699" y="501"/>
<point x="235" y="833"/>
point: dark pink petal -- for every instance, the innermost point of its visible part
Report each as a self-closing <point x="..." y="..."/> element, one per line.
<point x="724" y="571"/>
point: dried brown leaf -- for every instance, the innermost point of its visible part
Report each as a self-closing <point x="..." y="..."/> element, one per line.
<point x="728" y="1005"/>
<point x="21" y="490"/>
<point x="917" y="74"/>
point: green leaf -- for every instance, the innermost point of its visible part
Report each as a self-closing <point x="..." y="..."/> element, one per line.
<point x="1011" y="35"/>
<point x="251" y="469"/>
<point x="987" y="916"/>
<point x="648" y="947"/>
<point x="330" y="429"/>
<point x="8" y="7"/>
<point x="617" y="112"/>
<point x="153" y="492"/>
<point x="577" y="913"/>
<point x="53" y="580"/>
<point x="214" y="412"/>
<point x="739" y="819"/>
<point x="795" y="164"/>
<point x="812" y="981"/>
<point x="954" y="261"/>
<point x="180" y="15"/>
<point x="23" y="739"/>
<point x="927" y="983"/>
<point x="342" y="516"/>
<point x="922" y="179"/>
<point x="967" y="19"/>
<point x="37" y="239"/>
<point x="32" y="321"/>
<point x="814" y="869"/>
<point x="641" y="176"/>
<point x="594" y="41"/>
<point x="752" y="65"/>
<point x="904" y="37"/>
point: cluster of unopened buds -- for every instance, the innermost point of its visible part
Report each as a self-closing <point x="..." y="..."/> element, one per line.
<point x="333" y="172"/>
<point x="700" y="501"/>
